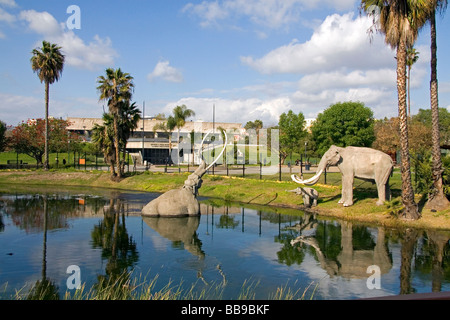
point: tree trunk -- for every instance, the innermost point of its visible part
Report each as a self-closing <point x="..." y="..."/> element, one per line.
<point x="409" y="91"/>
<point x="116" y="145"/>
<point x="46" y="162"/>
<point x="436" y="199"/>
<point x="411" y="211"/>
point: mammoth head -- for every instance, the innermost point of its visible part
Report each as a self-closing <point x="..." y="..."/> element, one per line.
<point x="331" y="157"/>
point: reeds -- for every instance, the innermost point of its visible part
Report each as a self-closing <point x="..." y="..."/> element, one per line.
<point x="126" y="287"/>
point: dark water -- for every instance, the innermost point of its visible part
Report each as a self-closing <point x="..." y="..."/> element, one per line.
<point x="43" y="232"/>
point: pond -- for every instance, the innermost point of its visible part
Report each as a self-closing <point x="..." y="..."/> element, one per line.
<point x="232" y="247"/>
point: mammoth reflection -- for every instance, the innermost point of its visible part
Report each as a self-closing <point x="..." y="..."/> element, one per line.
<point x="181" y="230"/>
<point x="348" y="261"/>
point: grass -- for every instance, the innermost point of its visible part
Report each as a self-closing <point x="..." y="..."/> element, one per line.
<point x="125" y="287"/>
<point x="250" y="191"/>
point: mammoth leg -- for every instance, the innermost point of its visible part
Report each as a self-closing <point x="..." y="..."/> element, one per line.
<point x="383" y="188"/>
<point x="306" y="200"/>
<point x="347" y="190"/>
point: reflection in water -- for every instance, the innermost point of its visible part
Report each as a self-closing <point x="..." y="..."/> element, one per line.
<point x="347" y="257"/>
<point x="181" y="231"/>
<point x="226" y="244"/>
<point x="118" y="247"/>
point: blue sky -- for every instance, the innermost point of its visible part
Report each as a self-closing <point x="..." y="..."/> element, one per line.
<point x="252" y="59"/>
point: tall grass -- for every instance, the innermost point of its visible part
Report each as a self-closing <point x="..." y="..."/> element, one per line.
<point x="123" y="287"/>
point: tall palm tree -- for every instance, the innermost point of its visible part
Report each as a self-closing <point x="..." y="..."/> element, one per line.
<point x="48" y="63"/>
<point x="115" y="88"/>
<point x="167" y="126"/>
<point x="437" y="199"/>
<point x="128" y="121"/>
<point x="180" y="114"/>
<point x="400" y="21"/>
<point x="412" y="55"/>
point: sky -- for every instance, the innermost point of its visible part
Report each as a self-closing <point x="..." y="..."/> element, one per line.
<point x="247" y="59"/>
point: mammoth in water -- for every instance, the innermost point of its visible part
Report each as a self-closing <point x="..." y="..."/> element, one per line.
<point x="183" y="201"/>
<point x="363" y="163"/>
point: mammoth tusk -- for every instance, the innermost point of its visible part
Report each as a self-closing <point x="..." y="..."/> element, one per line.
<point x="309" y="181"/>
<point x="220" y="154"/>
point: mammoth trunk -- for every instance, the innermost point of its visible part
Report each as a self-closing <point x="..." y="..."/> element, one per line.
<point x="313" y="180"/>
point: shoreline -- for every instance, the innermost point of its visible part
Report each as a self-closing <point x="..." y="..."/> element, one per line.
<point x="272" y="194"/>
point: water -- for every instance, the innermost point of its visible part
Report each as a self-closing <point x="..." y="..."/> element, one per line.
<point x="102" y="232"/>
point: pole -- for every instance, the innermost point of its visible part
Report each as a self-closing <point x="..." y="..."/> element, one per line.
<point x="143" y="131"/>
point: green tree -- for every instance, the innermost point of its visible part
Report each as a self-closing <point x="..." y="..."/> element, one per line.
<point x="115" y="88"/>
<point x="103" y="138"/>
<point x="3" y="140"/>
<point x="344" y="124"/>
<point x="167" y="126"/>
<point x="29" y="137"/>
<point x="256" y="125"/>
<point x="400" y="21"/>
<point x="424" y="116"/>
<point x="128" y="121"/>
<point x="180" y="114"/>
<point x="292" y="131"/>
<point x="48" y="63"/>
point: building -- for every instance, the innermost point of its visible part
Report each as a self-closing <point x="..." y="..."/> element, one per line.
<point x="152" y="145"/>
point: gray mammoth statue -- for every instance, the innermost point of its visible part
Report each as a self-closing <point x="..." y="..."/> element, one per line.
<point x="309" y="196"/>
<point x="363" y="163"/>
<point x="183" y="201"/>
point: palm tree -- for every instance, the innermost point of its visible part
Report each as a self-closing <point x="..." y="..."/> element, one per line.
<point x="180" y="114"/>
<point x="103" y="137"/>
<point x="437" y="199"/>
<point x="400" y="21"/>
<point x="167" y="126"/>
<point x="115" y="88"/>
<point x="48" y="63"/>
<point x="128" y="121"/>
<point x="412" y="55"/>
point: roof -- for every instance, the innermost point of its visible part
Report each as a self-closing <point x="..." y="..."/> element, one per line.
<point x="197" y="126"/>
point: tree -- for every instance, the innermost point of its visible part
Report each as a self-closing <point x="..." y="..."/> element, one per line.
<point x="437" y="199"/>
<point x="48" y="63"/>
<point x="344" y="124"/>
<point x="128" y="121"/>
<point x="412" y="55"/>
<point x="256" y="125"/>
<point x="29" y="137"/>
<point x="115" y="88"/>
<point x="400" y="21"/>
<point x="167" y="126"/>
<point x="103" y="137"/>
<point x="424" y="116"/>
<point x="3" y="139"/>
<point x="292" y="131"/>
<point x="180" y="114"/>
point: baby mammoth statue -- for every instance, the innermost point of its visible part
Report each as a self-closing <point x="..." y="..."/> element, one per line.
<point x="309" y="195"/>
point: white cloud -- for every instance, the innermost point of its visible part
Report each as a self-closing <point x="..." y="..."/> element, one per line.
<point x="166" y="72"/>
<point x="273" y="14"/>
<point x="80" y="54"/>
<point x="8" y="3"/>
<point x="17" y="108"/>
<point x="6" y="17"/>
<point x="339" y="42"/>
